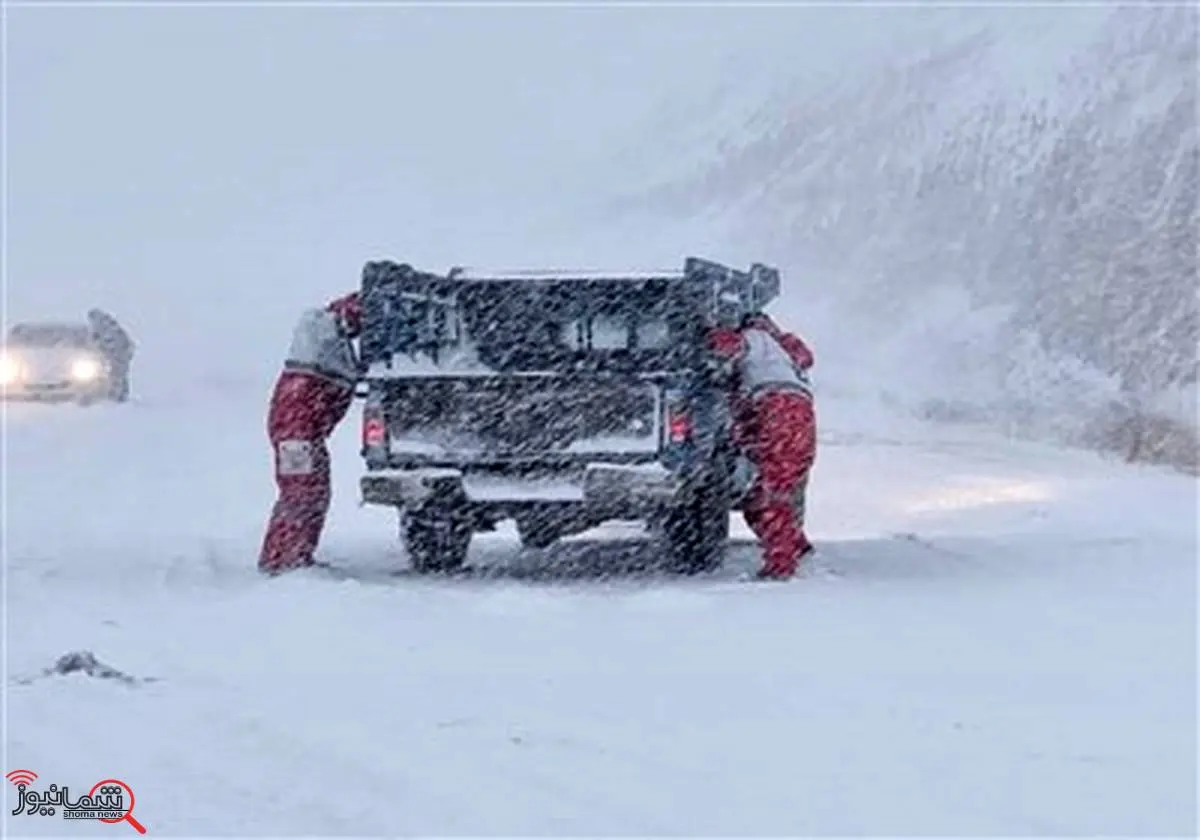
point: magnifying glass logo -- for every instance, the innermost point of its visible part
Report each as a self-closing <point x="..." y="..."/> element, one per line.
<point x="127" y="792"/>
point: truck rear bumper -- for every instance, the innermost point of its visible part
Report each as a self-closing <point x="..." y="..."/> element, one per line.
<point x="603" y="490"/>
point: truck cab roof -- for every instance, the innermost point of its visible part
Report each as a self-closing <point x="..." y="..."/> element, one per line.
<point x="559" y="275"/>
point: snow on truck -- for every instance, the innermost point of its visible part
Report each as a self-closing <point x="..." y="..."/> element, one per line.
<point x="558" y="399"/>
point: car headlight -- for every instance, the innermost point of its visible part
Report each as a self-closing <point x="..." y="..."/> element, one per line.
<point x="85" y="370"/>
<point x="10" y="370"/>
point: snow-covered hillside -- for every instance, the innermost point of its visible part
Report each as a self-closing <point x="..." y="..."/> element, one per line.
<point x="1011" y="210"/>
<point x="997" y="640"/>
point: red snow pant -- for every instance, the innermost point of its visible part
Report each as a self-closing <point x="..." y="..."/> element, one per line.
<point x="783" y="446"/>
<point x="305" y="409"/>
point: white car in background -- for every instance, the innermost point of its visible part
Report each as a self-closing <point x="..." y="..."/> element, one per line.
<point x="53" y="362"/>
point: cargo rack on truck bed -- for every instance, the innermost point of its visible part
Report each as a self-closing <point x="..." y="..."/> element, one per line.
<point x="419" y="316"/>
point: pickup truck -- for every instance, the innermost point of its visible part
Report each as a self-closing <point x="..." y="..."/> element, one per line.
<point x="557" y="399"/>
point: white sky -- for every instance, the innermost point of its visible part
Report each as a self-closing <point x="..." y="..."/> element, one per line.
<point x="227" y="166"/>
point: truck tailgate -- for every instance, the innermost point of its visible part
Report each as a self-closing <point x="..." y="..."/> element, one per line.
<point x="523" y="416"/>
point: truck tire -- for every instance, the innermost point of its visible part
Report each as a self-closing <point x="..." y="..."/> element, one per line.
<point x="697" y="531"/>
<point x="436" y="539"/>
<point x="537" y="534"/>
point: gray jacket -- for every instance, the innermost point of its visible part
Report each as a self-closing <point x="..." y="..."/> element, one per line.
<point x="112" y="340"/>
<point x="320" y="347"/>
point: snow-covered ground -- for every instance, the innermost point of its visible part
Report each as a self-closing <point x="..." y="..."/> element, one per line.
<point x="997" y="639"/>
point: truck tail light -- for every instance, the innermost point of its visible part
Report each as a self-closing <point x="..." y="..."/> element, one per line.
<point x="374" y="431"/>
<point x="679" y="424"/>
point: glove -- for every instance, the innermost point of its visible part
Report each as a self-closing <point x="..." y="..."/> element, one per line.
<point x="347" y="311"/>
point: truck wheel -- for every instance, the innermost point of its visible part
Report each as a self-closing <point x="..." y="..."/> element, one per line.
<point x="435" y="540"/>
<point x="535" y="533"/>
<point x="696" y="532"/>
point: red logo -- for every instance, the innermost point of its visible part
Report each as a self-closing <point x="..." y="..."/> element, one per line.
<point x="21" y="777"/>
<point x="127" y="791"/>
